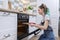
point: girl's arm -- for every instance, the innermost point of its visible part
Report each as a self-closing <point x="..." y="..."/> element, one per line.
<point x="44" y="27"/>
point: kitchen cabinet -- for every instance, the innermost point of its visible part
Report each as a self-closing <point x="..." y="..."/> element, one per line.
<point x="8" y="23"/>
<point x="8" y="34"/>
<point x="8" y="26"/>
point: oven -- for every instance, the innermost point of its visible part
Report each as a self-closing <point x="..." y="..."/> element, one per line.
<point x="23" y="29"/>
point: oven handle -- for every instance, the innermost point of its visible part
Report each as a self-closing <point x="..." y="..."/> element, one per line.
<point x="19" y="37"/>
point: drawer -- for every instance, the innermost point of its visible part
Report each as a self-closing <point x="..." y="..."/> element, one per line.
<point x="8" y="21"/>
<point x="10" y="34"/>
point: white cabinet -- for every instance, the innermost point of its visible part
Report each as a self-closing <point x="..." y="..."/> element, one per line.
<point x="9" y="34"/>
<point x="31" y="29"/>
<point x="8" y="23"/>
<point x="8" y="26"/>
<point x="36" y="19"/>
<point x="32" y="19"/>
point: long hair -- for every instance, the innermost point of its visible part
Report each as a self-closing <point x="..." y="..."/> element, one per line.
<point x="42" y="6"/>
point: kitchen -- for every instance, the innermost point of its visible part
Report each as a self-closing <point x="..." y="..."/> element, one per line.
<point x="14" y="17"/>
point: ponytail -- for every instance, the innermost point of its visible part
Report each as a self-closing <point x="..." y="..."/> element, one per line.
<point x="46" y="10"/>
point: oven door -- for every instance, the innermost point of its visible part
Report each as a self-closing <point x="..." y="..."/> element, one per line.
<point x="23" y="29"/>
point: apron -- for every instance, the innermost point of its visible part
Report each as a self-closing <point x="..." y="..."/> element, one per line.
<point x="48" y="34"/>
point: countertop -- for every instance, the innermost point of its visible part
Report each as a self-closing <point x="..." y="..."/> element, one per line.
<point x="16" y="12"/>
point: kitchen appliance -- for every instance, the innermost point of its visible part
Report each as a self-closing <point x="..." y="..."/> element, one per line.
<point x="23" y="29"/>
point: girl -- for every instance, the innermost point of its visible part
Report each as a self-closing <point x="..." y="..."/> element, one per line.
<point x="45" y="24"/>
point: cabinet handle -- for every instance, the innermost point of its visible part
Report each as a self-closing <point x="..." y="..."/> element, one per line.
<point x="5" y="14"/>
<point x="6" y="36"/>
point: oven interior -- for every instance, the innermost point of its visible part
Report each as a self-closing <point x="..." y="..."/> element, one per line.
<point x="22" y="28"/>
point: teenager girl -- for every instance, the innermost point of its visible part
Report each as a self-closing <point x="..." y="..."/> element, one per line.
<point x="45" y="24"/>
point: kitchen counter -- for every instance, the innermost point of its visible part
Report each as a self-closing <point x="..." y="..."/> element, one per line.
<point x="15" y="11"/>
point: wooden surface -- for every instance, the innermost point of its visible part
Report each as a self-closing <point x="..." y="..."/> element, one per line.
<point x="15" y="11"/>
<point x="26" y="23"/>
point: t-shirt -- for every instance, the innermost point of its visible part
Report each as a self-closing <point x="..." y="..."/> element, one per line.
<point x="47" y="17"/>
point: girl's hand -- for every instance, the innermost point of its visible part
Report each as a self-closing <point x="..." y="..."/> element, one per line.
<point x="34" y="24"/>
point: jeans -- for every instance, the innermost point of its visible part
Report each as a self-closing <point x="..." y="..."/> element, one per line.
<point x="48" y="35"/>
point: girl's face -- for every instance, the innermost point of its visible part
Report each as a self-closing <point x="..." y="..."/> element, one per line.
<point x="40" y="11"/>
